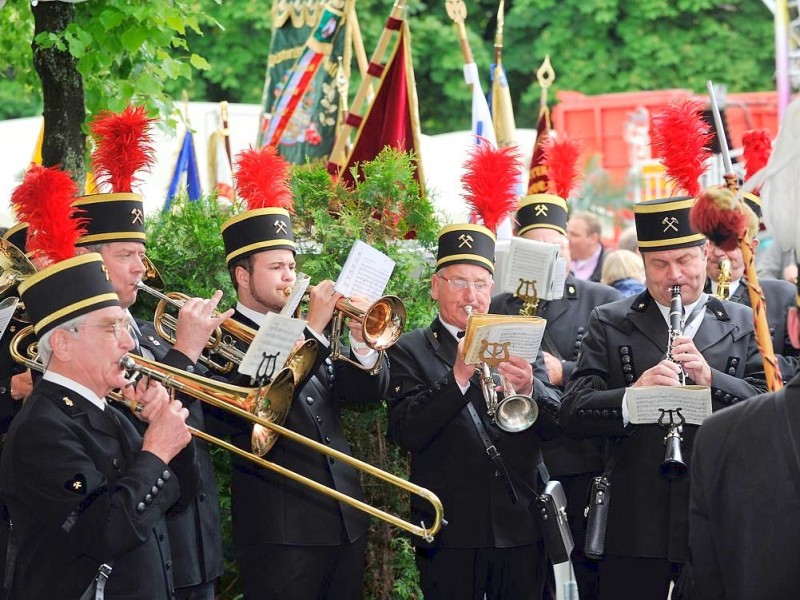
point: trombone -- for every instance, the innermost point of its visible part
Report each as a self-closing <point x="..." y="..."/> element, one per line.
<point x="259" y="406"/>
<point x="383" y="323"/>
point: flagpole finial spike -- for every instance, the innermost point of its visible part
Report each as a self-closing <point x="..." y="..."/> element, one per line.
<point x="545" y="75"/>
<point x="498" y="36"/>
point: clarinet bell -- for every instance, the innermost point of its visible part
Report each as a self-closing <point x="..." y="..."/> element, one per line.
<point x="673" y="466"/>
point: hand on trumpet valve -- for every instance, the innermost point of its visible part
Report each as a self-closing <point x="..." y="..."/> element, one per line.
<point x="519" y="373"/>
<point x="462" y="372"/>
<point x="197" y="320"/>
<point x="694" y="364"/>
<point x="167" y="433"/>
<point x="321" y="304"/>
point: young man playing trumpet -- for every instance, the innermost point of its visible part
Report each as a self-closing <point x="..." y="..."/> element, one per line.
<point x="290" y="541"/>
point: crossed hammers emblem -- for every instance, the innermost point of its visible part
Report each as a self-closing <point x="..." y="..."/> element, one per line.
<point x="280" y="226"/>
<point x="465" y="240"/>
<point x="670" y="223"/>
<point x="138" y="215"/>
<point x="541" y="210"/>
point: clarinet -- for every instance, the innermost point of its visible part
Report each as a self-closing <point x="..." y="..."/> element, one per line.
<point x="675" y="326"/>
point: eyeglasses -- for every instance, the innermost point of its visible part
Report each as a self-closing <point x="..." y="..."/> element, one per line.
<point x="462" y="284"/>
<point x="117" y="327"/>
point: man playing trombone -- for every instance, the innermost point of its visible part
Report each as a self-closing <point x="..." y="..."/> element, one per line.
<point x="292" y="542"/>
<point x="87" y="495"/>
<point x="492" y="544"/>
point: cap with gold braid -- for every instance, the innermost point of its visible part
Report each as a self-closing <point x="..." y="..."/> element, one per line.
<point x="124" y="146"/>
<point x="71" y="285"/>
<point x="489" y="180"/>
<point x="680" y="138"/>
<point x="65" y="290"/>
<point x="549" y="210"/>
<point x="262" y="180"/>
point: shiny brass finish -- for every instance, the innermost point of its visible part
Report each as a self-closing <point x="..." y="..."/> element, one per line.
<point x="151" y="274"/>
<point x="515" y="412"/>
<point x="724" y="279"/>
<point x="383" y="323"/>
<point x="14" y="267"/>
<point x="259" y="406"/>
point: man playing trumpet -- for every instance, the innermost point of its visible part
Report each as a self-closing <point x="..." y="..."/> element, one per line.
<point x="290" y="541"/>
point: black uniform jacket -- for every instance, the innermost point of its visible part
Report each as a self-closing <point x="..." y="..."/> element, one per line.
<point x="269" y="508"/>
<point x="779" y="296"/>
<point x="8" y="368"/>
<point x="428" y="416"/>
<point x="745" y="498"/>
<point x="648" y="515"/>
<point x="81" y="493"/>
<point x="567" y="323"/>
<point x="195" y="534"/>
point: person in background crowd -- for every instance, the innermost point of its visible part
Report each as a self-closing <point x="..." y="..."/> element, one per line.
<point x="624" y="271"/>
<point x="584" y="231"/>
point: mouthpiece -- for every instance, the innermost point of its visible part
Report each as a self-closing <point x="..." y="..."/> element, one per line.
<point x="287" y="291"/>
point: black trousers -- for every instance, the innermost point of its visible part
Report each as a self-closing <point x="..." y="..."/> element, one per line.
<point x="302" y="572"/>
<point x="631" y="577"/>
<point x="499" y="573"/>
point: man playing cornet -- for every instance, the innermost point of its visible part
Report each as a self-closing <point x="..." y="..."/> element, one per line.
<point x="492" y="544"/>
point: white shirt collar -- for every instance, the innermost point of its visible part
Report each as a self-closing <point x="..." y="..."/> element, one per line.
<point x="692" y="327"/>
<point x="76" y="387"/>
<point x="454" y="331"/>
<point x="255" y="316"/>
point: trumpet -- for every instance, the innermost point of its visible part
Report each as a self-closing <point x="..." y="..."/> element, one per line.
<point x="724" y="279"/>
<point x="221" y="353"/>
<point x="515" y="412"/>
<point x="15" y="267"/>
<point x="383" y="323"/>
<point x="260" y="406"/>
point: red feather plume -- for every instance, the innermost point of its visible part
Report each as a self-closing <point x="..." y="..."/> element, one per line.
<point x="262" y="179"/>
<point x="124" y="146"/>
<point x="757" y="147"/>
<point x="681" y="139"/>
<point x="490" y="182"/>
<point x="713" y="214"/>
<point x="561" y="156"/>
<point x="44" y="199"/>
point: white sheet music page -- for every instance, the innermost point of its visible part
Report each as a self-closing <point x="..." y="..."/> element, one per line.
<point x="645" y="404"/>
<point x="530" y="263"/>
<point x="366" y="272"/>
<point x="523" y="338"/>
<point x="7" y="308"/>
<point x="272" y="345"/>
<point x="298" y="289"/>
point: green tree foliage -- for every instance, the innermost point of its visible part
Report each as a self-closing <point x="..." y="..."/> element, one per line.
<point x="126" y="50"/>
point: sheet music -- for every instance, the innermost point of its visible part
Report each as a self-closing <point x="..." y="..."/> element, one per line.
<point x="7" y="308"/>
<point x="271" y="346"/>
<point x="524" y="339"/>
<point x="298" y="289"/>
<point x="560" y="271"/>
<point x="366" y="271"/>
<point x="644" y="403"/>
<point x="530" y="260"/>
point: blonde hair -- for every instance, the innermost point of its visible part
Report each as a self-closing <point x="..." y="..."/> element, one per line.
<point x="622" y="264"/>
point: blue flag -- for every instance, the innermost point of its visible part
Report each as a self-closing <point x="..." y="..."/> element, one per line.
<point x="187" y="163"/>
